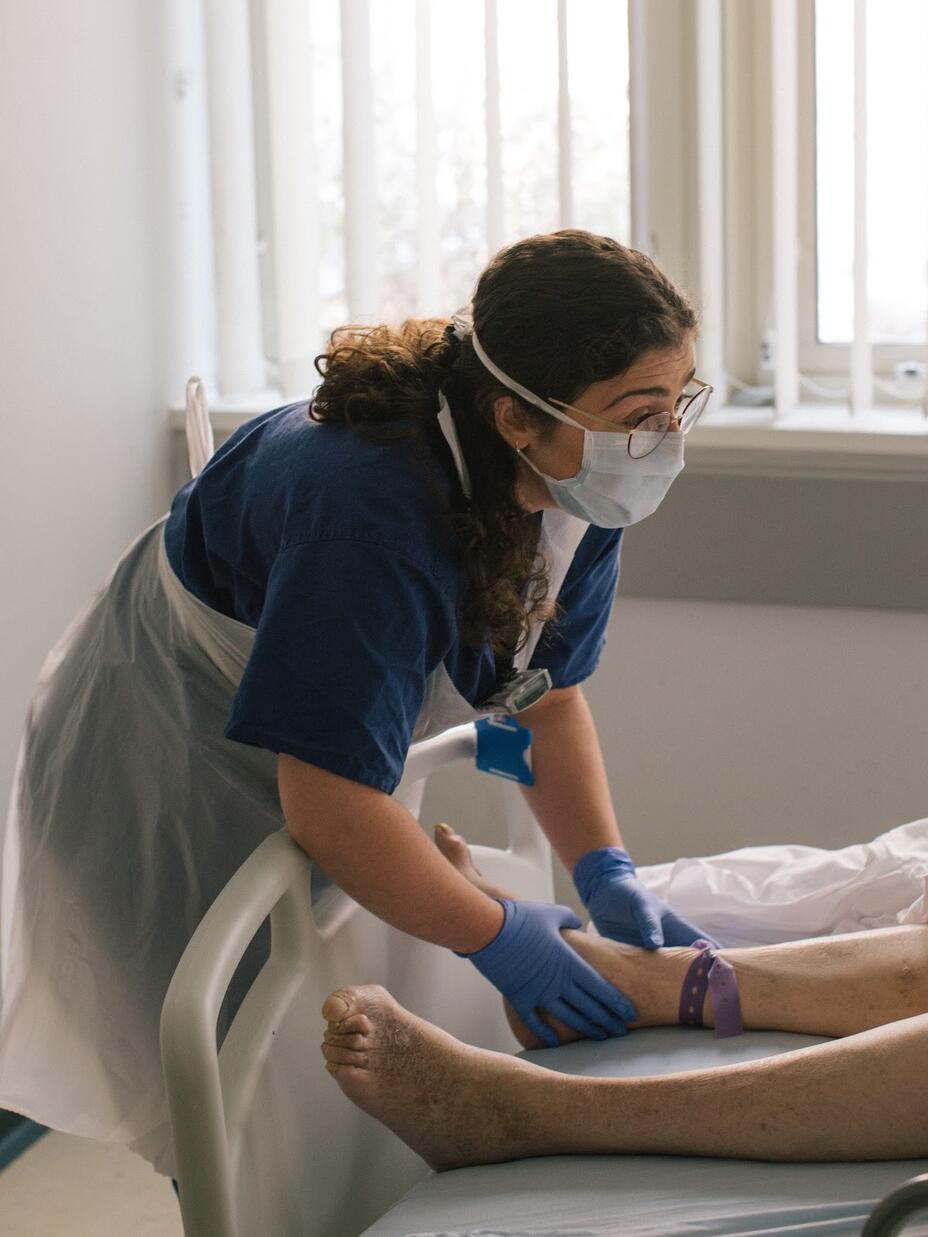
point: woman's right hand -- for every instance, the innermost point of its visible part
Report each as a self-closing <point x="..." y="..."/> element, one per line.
<point x="534" y="968"/>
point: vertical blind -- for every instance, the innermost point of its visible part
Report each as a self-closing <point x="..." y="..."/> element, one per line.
<point x="272" y="286"/>
<point x="784" y="203"/>
<point x="325" y="253"/>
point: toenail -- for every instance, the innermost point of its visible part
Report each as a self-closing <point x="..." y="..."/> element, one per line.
<point x="330" y="1009"/>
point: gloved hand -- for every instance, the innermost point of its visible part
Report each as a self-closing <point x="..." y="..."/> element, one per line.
<point x="534" y="967"/>
<point x="623" y="909"/>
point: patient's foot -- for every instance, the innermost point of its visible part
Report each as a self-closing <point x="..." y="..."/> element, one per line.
<point x="457" y="852"/>
<point x="453" y="1104"/>
<point x="651" y="979"/>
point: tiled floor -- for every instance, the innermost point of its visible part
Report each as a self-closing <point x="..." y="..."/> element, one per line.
<point x="73" y="1187"/>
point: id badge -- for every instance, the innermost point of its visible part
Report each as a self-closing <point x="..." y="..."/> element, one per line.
<point x="504" y="747"/>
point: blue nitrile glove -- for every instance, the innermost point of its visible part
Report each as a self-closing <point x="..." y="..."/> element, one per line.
<point x="534" y="967"/>
<point x="623" y="909"/>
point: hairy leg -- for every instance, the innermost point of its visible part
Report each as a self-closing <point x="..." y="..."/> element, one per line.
<point x="835" y="985"/>
<point x="859" y="1098"/>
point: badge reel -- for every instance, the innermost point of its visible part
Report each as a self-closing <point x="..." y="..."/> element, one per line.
<point x="504" y="745"/>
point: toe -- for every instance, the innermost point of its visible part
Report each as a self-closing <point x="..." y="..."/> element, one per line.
<point x="344" y="1056"/>
<point x="337" y="1005"/>
<point x="445" y="838"/>
<point x="355" y="1042"/>
<point x="354" y="1024"/>
<point x="452" y="846"/>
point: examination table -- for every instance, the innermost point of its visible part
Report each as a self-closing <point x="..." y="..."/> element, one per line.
<point x="264" y="1144"/>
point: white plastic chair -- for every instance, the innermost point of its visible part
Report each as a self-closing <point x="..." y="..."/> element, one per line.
<point x="266" y="1145"/>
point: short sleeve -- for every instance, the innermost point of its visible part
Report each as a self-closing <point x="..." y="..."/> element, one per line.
<point x="571" y="646"/>
<point x="348" y="635"/>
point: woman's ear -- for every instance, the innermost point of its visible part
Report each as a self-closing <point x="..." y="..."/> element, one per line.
<point x="511" y="424"/>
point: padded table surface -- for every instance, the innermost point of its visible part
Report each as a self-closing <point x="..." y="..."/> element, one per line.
<point x="650" y="1196"/>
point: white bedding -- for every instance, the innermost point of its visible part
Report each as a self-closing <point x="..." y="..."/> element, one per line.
<point x="762" y="894"/>
<point x="649" y="1196"/>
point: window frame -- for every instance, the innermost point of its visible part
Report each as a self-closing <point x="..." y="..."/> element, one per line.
<point x="817" y="358"/>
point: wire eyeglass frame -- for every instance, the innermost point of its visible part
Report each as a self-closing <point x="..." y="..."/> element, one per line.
<point x="652" y="431"/>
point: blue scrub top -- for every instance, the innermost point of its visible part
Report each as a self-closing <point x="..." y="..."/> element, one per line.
<point x="339" y="552"/>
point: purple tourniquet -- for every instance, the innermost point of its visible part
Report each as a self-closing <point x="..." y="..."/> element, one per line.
<point x="709" y="971"/>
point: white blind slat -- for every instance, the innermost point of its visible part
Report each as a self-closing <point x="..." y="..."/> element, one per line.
<point x="638" y="125"/>
<point x="359" y="176"/>
<point x="783" y="45"/>
<point x="189" y="278"/>
<point x="711" y="195"/>
<point x="428" y="266"/>
<point x="564" y="142"/>
<point x="293" y="192"/>
<point x="495" y="214"/>
<point x="235" y="227"/>
<point x="861" y="352"/>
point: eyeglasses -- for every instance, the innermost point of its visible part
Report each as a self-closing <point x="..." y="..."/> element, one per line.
<point x="651" y="431"/>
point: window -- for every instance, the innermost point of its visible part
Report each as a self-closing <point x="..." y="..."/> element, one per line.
<point x="388" y="149"/>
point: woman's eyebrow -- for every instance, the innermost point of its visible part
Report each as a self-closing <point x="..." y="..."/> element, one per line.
<point x="647" y="391"/>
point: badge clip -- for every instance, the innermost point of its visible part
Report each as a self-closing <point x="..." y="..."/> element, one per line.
<point x="519" y="691"/>
<point x="504" y="748"/>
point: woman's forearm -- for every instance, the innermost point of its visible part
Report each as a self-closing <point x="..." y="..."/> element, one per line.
<point x="374" y="849"/>
<point x="570" y="799"/>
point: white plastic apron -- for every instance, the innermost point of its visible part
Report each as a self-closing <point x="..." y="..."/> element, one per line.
<point x="129" y="813"/>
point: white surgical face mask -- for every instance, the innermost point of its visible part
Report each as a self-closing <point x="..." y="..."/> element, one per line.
<point x="611" y="489"/>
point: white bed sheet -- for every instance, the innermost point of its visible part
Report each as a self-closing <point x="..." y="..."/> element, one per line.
<point x="649" y="1196"/>
<point x="760" y="895"/>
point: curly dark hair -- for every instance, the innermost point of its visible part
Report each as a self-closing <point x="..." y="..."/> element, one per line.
<point x="556" y="312"/>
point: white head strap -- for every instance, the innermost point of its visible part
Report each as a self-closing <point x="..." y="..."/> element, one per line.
<point x="463" y="324"/>
<point x="464" y="321"/>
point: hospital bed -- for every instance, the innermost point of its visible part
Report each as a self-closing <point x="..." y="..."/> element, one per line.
<point x="267" y="1146"/>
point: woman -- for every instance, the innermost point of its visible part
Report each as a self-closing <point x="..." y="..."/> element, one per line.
<point x="861" y="1097"/>
<point x="407" y="554"/>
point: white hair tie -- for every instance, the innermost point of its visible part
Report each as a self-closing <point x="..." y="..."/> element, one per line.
<point x="463" y="321"/>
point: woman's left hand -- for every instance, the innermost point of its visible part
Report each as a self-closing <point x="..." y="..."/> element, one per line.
<point x="623" y="909"/>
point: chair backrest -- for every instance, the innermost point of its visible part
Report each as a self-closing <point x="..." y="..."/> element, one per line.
<point x="264" y="1140"/>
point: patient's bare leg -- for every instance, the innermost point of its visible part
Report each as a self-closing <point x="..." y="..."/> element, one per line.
<point x="860" y="1098"/>
<point x="835" y="985"/>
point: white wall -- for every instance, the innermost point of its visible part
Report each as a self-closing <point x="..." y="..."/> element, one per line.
<point x="739" y="725"/>
<point x="85" y="442"/>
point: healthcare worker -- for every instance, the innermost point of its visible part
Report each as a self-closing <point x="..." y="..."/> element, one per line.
<point x="406" y="553"/>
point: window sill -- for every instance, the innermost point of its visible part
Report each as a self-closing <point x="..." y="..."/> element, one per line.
<point x="815" y="441"/>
